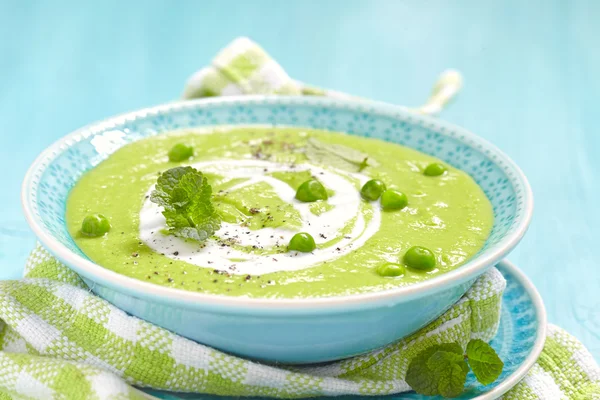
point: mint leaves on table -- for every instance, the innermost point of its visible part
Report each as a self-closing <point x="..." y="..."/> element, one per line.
<point x="442" y="369"/>
<point x="337" y="155"/>
<point x="484" y="361"/>
<point x="185" y="195"/>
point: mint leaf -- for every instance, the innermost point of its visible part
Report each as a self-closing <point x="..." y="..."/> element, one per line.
<point x="423" y="374"/>
<point x="484" y="361"/>
<point x="443" y="359"/>
<point x="185" y="195"/>
<point x="419" y="377"/>
<point x="337" y="155"/>
<point x="442" y="369"/>
<point x="452" y="348"/>
<point x="452" y="379"/>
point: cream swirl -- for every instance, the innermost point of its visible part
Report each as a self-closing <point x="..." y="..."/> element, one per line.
<point x="348" y="214"/>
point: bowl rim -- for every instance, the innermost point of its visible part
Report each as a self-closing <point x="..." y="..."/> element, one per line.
<point x="139" y="288"/>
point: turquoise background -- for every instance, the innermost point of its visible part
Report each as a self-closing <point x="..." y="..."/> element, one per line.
<point x="531" y="72"/>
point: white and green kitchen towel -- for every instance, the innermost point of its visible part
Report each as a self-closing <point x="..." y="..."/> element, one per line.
<point x="58" y="340"/>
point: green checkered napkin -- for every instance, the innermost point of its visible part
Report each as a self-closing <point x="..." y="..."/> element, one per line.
<point x="59" y="340"/>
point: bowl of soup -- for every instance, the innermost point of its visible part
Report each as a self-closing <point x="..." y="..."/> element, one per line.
<point x="286" y="229"/>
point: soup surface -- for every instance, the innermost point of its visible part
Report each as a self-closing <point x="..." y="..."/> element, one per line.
<point x="255" y="173"/>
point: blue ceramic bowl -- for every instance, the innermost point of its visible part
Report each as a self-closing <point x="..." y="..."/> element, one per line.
<point x="291" y="330"/>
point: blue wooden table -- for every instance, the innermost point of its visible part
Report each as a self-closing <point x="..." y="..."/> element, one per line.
<point x="532" y="84"/>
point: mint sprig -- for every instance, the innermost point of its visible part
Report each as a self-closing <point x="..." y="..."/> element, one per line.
<point x="442" y="369"/>
<point x="185" y="195"/>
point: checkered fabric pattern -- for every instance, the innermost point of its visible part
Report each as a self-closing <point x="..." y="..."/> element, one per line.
<point x="61" y="341"/>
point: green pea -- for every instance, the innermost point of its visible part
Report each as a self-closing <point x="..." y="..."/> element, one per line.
<point x="372" y="190"/>
<point x="180" y="152"/>
<point x="303" y="242"/>
<point x="311" y="190"/>
<point x="434" y="169"/>
<point x="418" y="257"/>
<point x="95" y="225"/>
<point x="390" y="269"/>
<point x="393" y="199"/>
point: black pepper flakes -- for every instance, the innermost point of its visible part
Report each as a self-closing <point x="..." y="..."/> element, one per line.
<point x="175" y="253"/>
<point x="170" y="280"/>
<point x="248" y="277"/>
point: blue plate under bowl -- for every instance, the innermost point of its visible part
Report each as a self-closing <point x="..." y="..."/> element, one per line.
<point x="292" y="330"/>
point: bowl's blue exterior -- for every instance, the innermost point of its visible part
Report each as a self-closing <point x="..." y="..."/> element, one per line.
<point x="291" y="336"/>
<point x="299" y="334"/>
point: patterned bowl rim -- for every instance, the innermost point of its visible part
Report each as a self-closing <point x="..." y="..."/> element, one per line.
<point x="106" y="277"/>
